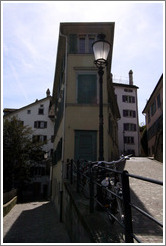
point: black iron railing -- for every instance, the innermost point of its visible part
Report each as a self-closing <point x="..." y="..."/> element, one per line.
<point x="75" y="174"/>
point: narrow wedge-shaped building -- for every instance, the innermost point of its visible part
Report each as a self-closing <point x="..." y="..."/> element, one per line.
<point x="76" y="101"/>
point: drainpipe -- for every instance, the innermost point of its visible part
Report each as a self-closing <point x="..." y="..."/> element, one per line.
<point x="63" y="133"/>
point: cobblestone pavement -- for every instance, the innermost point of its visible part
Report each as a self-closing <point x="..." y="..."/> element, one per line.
<point x="34" y="222"/>
<point x="147" y="196"/>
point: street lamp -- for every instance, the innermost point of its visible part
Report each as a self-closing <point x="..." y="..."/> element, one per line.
<point x="101" y="49"/>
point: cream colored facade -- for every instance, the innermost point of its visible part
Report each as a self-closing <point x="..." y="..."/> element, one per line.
<point x="76" y="121"/>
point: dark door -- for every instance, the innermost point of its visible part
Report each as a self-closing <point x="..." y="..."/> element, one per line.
<point x="86" y="145"/>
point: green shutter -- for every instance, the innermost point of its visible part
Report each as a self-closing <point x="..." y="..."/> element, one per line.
<point x="72" y="43"/>
<point x="87" y="88"/>
<point x="85" y="145"/>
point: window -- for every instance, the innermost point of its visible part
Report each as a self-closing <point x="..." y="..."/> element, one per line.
<point x="40" y="124"/>
<point x="129" y="113"/>
<point x="91" y="40"/>
<point x="153" y="108"/>
<point x="40" y="111"/>
<point x="28" y="111"/>
<point x="85" y="145"/>
<point x="158" y="101"/>
<point x="148" y="116"/>
<point x="129" y="140"/>
<point x="52" y="138"/>
<point x="129" y="127"/>
<point x="87" y="88"/>
<point x="81" y="45"/>
<point x="39" y="138"/>
<point x="128" y="99"/>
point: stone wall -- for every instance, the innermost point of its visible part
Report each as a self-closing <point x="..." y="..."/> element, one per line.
<point x="73" y="219"/>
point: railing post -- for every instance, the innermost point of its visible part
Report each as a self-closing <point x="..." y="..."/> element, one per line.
<point x="78" y="176"/>
<point x="91" y="190"/>
<point x="127" y="208"/>
<point x="71" y="172"/>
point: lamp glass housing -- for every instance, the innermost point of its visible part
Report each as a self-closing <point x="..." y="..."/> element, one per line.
<point x="101" y="50"/>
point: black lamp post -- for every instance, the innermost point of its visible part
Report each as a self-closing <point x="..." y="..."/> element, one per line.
<point x="101" y="49"/>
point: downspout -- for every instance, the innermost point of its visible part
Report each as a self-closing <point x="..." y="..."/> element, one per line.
<point x="63" y="132"/>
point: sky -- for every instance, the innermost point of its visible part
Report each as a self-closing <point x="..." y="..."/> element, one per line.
<point x="29" y="44"/>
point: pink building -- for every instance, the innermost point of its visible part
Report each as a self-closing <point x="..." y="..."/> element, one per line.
<point x="154" y="121"/>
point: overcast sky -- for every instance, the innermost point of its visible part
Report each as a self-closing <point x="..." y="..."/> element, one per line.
<point x="30" y="34"/>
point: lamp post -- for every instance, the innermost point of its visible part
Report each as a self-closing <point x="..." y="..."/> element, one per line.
<point x="101" y="49"/>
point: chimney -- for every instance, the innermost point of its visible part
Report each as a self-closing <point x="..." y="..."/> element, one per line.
<point x="130" y="77"/>
<point x="48" y="92"/>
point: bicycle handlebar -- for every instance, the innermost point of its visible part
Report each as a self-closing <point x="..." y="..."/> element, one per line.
<point x="122" y="158"/>
<point x="98" y="163"/>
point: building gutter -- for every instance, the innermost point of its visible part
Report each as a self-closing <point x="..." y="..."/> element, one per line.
<point x="63" y="131"/>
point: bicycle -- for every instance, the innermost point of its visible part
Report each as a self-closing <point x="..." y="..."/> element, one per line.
<point x="109" y="182"/>
<point x="111" y="187"/>
<point x="84" y="177"/>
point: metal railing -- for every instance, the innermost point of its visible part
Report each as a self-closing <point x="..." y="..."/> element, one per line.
<point x="75" y="174"/>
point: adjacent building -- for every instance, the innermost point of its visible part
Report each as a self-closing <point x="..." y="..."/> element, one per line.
<point x="75" y="100"/>
<point x="128" y="124"/>
<point x="37" y="116"/>
<point x="154" y="121"/>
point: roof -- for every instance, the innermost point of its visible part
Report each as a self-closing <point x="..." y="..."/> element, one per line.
<point x="160" y="80"/>
<point x="10" y="110"/>
<point x="125" y="85"/>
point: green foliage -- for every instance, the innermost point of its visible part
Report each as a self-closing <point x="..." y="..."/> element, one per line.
<point x="18" y="152"/>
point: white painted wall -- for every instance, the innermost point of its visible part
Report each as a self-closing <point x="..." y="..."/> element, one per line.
<point x="119" y="91"/>
<point x="29" y="119"/>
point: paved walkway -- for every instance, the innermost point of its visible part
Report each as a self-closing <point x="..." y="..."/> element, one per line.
<point x="37" y="222"/>
<point x="147" y="196"/>
<point x="34" y="222"/>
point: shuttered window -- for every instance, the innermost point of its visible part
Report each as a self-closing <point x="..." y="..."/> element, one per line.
<point x="81" y="45"/>
<point x="129" y="140"/>
<point x="40" y="124"/>
<point x="87" y="88"/>
<point x="39" y="138"/>
<point x="128" y="99"/>
<point x="91" y="41"/>
<point x="129" y="127"/>
<point x="129" y="113"/>
<point x="73" y="43"/>
<point x="86" y="145"/>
